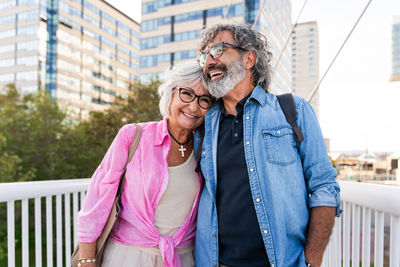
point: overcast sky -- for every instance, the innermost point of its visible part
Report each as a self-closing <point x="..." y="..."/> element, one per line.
<point x="359" y="107"/>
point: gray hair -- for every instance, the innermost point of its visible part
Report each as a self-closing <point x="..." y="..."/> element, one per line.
<point x="250" y="40"/>
<point x="188" y="73"/>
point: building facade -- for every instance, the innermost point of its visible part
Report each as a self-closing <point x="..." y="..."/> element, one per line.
<point x="305" y="61"/>
<point x="83" y="52"/>
<point x="170" y="31"/>
<point x="395" y="49"/>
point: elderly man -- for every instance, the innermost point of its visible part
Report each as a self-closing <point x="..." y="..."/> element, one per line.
<point x="268" y="199"/>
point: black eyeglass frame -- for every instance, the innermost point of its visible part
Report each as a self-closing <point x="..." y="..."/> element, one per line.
<point x="202" y="58"/>
<point x="195" y="96"/>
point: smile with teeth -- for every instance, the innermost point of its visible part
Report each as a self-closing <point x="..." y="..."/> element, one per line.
<point x="215" y="74"/>
<point x="188" y="115"/>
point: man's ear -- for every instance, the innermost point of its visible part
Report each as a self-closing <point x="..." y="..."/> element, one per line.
<point x="249" y="59"/>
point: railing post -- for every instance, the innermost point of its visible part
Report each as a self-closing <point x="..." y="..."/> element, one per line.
<point x="395" y="241"/>
<point x="338" y="247"/>
<point x="379" y="234"/>
<point x="346" y="234"/>
<point x="38" y="232"/>
<point x="49" y="231"/>
<point x="75" y="209"/>
<point x="59" y="230"/>
<point x="355" y="259"/>
<point x="25" y="232"/>
<point x="11" y="233"/>
<point x="366" y="238"/>
<point x="67" y="216"/>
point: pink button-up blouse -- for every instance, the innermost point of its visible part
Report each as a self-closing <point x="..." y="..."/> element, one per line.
<point x="146" y="181"/>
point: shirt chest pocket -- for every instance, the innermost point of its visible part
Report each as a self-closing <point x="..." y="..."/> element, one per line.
<point x="280" y="145"/>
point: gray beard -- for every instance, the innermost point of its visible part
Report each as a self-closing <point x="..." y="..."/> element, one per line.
<point x="233" y="75"/>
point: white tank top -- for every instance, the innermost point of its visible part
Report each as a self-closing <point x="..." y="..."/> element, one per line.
<point x="177" y="201"/>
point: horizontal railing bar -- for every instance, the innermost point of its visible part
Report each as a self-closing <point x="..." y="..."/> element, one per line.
<point x="374" y="196"/>
<point x="25" y="190"/>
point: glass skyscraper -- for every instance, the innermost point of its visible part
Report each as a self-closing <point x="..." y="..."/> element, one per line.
<point x="83" y="52"/>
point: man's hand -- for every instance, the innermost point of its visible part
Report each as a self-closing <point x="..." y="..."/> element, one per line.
<point x="319" y="230"/>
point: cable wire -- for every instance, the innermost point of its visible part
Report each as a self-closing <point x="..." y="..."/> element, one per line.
<point x="227" y="10"/>
<point x="330" y="65"/>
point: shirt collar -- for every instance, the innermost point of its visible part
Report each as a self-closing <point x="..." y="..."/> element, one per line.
<point x="161" y="132"/>
<point x="259" y="94"/>
<point x="239" y="105"/>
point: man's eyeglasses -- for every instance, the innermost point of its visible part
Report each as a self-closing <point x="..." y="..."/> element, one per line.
<point x="187" y="95"/>
<point x="216" y="51"/>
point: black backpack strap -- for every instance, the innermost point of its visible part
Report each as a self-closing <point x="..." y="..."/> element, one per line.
<point x="286" y="101"/>
<point x="201" y="132"/>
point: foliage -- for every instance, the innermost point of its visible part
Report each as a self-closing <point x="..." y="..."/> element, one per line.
<point x="38" y="143"/>
<point x="10" y="169"/>
<point x="89" y="140"/>
<point x="334" y="164"/>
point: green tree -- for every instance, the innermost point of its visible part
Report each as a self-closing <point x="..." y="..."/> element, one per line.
<point x="89" y="140"/>
<point x="41" y="142"/>
<point x="10" y="169"/>
<point x="31" y="125"/>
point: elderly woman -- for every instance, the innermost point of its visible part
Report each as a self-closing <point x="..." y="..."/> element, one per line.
<point x="156" y="226"/>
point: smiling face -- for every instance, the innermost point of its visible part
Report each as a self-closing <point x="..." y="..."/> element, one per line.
<point x="222" y="74"/>
<point x="186" y="116"/>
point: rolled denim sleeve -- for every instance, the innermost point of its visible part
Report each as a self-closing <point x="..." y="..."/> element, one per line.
<point x="320" y="176"/>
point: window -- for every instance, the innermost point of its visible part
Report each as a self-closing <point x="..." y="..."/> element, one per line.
<point x="7" y="62"/>
<point x="8" y="77"/>
<point x="28" y="61"/>
<point x="27" y="75"/>
<point x="7" y="33"/>
<point x="28" y="45"/>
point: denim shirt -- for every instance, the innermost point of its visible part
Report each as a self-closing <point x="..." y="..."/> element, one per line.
<point x="286" y="178"/>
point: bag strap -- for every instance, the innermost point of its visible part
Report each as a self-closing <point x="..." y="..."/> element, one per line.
<point x="201" y="132"/>
<point x="286" y="101"/>
<point x="131" y="152"/>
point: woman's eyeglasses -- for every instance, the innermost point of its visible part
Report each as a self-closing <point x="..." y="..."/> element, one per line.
<point x="216" y="51"/>
<point x="187" y="95"/>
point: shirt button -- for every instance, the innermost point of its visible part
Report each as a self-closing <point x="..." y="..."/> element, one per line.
<point x="258" y="200"/>
<point x="247" y="143"/>
<point x="278" y="132"/>
<point x="252" y="170"/>
<point x="236" y="121"/>
<point x="235" y="135"/>
<point x="204" y="152"/>
<point x="265" y="232"/>
<point x="247" y="118"/>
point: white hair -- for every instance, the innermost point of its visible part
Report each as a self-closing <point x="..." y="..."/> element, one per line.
<point x="185" y="74"/>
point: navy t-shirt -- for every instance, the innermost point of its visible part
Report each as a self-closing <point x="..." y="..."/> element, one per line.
<point x="239" y="236"/>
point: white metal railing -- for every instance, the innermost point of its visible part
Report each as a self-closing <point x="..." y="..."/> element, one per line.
<point x="371" y="219"/>
<point x="58" y="189"/>
<point x="368" y="230"/>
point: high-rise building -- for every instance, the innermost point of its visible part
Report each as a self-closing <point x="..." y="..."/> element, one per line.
<point x="395" y="49"/>
<point x="170" y="31"/>
<point x="83" y="52"/>
<point x="305" y="61"/>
